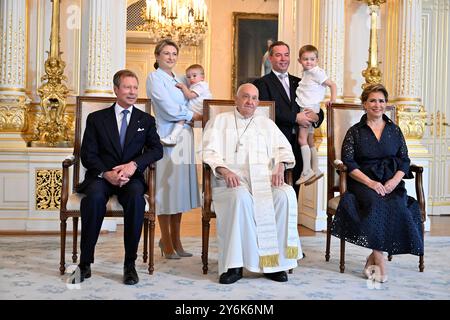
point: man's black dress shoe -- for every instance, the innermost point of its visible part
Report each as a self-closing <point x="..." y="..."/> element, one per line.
<point x="81" y="272"/>
<point x="130" y="276"/>
<point x="231" y="276"/>
<point x="280" y="276"/>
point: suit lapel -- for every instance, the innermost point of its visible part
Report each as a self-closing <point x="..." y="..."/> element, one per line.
<point x="110" y="123"/>
<point x="293" y="89"/>
<point x="133" y="125"/>
<point x="277" y="83"/>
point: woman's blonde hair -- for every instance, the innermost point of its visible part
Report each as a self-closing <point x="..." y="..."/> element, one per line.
<point x="161" y="44"/>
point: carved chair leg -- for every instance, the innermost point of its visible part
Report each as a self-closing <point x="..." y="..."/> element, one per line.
<point x="421" y="260"/>
<point x="151" y="242"/>
<point x="342" y="259"/>
<point x="421" y="264"/>
<point x="205" y="243"/>
<point x="327" y="249"/>
<point x="144" y="255"/>
<point x="62" y="261"/>
<point x="75" y="239"/>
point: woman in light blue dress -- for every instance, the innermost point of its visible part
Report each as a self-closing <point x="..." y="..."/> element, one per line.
<point x="176" y="176"/>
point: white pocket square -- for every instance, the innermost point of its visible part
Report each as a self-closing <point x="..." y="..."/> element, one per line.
<point x="140" y="129"/>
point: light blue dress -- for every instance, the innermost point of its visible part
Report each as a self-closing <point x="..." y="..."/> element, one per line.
<point x="176" y="173"/>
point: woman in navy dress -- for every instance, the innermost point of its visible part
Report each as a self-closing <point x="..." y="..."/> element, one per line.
<point x="376" y="211"/>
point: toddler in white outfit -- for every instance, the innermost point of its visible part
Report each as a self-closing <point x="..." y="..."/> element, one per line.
<point x="197" y="91"/>
<point x="310" y="92"/>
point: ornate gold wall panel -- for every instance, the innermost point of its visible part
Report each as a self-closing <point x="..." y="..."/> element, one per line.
<point x="34" y="112"/>
<point x="411" y="123"/>
<point x="48" y="189"/>
<point x="13" y="113"/>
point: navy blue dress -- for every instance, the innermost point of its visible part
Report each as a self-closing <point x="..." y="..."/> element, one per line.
<point x="391" y="223"/>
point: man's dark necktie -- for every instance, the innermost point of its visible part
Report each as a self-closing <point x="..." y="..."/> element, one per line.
<point x="123" y="128"/>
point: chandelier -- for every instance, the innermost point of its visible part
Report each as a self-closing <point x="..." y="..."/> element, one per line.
<point x="184" y="21"/>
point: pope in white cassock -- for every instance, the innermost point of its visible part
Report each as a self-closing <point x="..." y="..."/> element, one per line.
<point x="256" y="211"/>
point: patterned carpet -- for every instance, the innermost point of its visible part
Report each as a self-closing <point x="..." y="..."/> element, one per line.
<point x="29" y="270"/>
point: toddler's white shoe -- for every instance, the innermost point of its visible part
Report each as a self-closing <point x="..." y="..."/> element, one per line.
<point x="305" y="176"/>
<point x="169" y="141"/>
<point x="319" y="174"/>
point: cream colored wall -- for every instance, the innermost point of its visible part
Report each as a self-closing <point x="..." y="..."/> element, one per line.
<point x="357" y="22"/>
<point x="221" y="38"/>
<point x="436" y="99"/>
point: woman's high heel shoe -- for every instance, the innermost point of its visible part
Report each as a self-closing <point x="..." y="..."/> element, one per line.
<point x="380" y="278"/>
<point x="368" y="270"/>
<point x="372" y="272"/>
<point x="167" y="256"/>
<point x="183" y="253"/>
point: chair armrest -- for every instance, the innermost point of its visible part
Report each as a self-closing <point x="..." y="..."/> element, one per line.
<point x="151" y="183"/>
<point x="68" y="161"/>
<point x="289" y="177"/>
<point x="66" y="164"/>
<point x="416" y="168"/>
<point x="341" y="169"/>
<point x="207" y="196"/>
<point x="420" y="195"/>
<point x="339" y="165"/>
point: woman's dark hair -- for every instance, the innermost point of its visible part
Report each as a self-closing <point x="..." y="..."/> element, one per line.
<point x="373" y="88"/>
<point x="160" y="45"/>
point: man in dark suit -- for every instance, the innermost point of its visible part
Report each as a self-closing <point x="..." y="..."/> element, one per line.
<point x="118" y="144"/>
<point x="279" y="86"/>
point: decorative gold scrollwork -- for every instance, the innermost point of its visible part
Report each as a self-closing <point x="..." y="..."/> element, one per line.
<point x="48" y="189"/>
<point x="13" y="113"/>
<point x="411" y="123"/>
<point x="51" y="128"/>
<point x="374" y="2"/>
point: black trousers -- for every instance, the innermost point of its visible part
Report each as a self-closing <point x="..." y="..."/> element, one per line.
<point x="297" y="171"/>
<point x="93" y="210"/>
